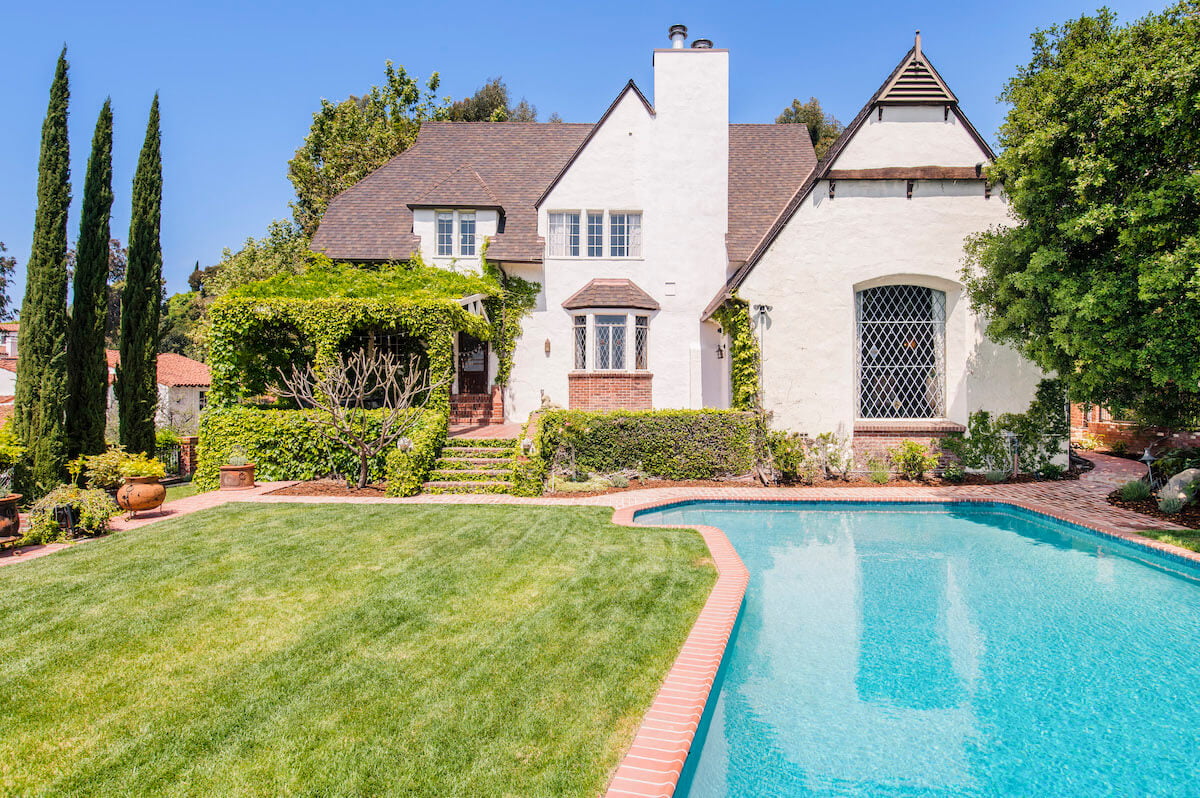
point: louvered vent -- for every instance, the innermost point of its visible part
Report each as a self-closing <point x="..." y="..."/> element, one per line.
<point x="917" y="83"/>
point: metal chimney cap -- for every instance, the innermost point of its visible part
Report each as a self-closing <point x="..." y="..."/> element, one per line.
<point x="702" y="44"/>
<point x="677" y="29"/>
<point x="677" y="34"/>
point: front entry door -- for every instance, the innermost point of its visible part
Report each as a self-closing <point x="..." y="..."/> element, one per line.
<point x="472" y="364"/>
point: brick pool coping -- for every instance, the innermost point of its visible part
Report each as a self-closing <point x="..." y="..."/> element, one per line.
<point x="652" y="765"/>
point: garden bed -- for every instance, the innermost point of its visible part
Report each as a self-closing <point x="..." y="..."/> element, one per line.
<point x="330" y="487"/>
<point x="1189" y="516"/>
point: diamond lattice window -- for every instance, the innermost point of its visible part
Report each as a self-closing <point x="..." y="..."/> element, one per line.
<point x="901" y="352"/>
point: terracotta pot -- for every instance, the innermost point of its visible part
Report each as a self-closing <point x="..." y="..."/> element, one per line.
<point x="239" y="477"/>
<point x="141" y="493"/>
<point x="10" y="520"/>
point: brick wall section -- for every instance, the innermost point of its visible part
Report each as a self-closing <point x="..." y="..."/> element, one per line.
<point x="187" y="454"/>
<point x="597" y="390"/>
<point x="1089" y="423"/>
<point x="873" y="439"/>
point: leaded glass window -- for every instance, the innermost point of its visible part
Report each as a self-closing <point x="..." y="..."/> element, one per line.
<point x="901" y="352"/>
<point x="641" y="341"/>
<point x="610" y="342"/>
<point x="581" y="342"/>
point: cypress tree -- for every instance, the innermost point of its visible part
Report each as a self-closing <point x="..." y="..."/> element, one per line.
<point x="87" y="368"/>
<point x="137" y="391"/>
<point x="39" y="414"/>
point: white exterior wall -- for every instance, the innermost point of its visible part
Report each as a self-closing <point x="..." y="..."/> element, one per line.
<point x="869" y="235"/>
<point x="674" y="168"/>
<point x="179" y="408"/>
<point x="425" y="228"/>
<point x="8" y="382"/>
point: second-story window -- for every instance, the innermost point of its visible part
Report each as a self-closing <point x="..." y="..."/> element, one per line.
<point x="564" y="234"/>
<point x="625" y="235"/>
<point x="595" y="234"/>
<point x="445" y="234"/>
<point x="466" y="234"/>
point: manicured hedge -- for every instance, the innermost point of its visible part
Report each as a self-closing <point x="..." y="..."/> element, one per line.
<point x="406" y="471"/>
<point x="671" y="444"/>
<point x="283" y="444"/>
<point x="529" y="469"/>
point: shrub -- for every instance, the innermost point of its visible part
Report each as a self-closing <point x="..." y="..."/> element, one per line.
<point x="877" y="471"/>
<point x="1175" y="460"/>
<point x="407" y="468"/>
<point x="11" y="450"/>
<point x="101" y="471"/>
<point x="672" y="444"/>
<point x="1171" y="504"/>
<point x="835" y="453"/>
<point x="1088" y="442"/>
<point x="996" y="476"/>
<point x="283" y="444"/>
<point x="913" y="460"/>
<point x="1120" y="449"/>
<point x="142" y="466"/>
<point x="1052" y="471"/>
<point x="1041" y="433"/>
<point x="1135" y="491"/>
<point x="92" y="510"/>
<point x="165" y="436"/>
<point x="954" y="472"/>
<point x="795" y="457"/>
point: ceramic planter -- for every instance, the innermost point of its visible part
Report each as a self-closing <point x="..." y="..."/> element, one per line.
<point x="141" y="493"/>
<point x="10" y="521"/>
<point x="237" y="477"/>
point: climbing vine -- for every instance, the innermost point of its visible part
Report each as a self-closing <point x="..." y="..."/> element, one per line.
<point x="744" y="354"/>
<point x="516" y="299"/>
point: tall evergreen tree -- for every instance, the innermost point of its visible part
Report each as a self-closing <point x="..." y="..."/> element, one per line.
<point x="39" y="415"/>
<point x="87" y="369"/>
<point x="141" y="301"/>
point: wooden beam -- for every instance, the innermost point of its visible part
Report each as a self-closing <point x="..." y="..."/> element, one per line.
<point x="908" y="173"/>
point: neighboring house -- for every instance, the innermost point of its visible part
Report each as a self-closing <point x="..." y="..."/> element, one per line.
<point x="183" y="383"/>
<point x="639" y="227"/>
<point x="183" y="386"/>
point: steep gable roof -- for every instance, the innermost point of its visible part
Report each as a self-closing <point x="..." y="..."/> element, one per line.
<point x="462" y="188"/>
<point x="825" y="165"/>
<point x="916" y="81"/>
<point x="767" y="163"/>
<point x="372" y="220"/>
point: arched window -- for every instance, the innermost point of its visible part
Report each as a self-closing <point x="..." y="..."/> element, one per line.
<point x="901" y="352"/>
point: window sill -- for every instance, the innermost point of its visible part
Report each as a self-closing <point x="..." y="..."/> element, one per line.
<point x="596" y="258"/>
<point x="610" y="373"/>
<point x="916" y="425"/>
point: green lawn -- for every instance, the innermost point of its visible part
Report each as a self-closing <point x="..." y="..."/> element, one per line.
<point x="326" y="650"/>
<point x="180" y="491"/>
<point x="1184" y="538"/>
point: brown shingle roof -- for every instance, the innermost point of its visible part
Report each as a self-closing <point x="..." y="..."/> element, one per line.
<point x="174" y="370"/>
<point x="514" y="160"/>
<point x="462" y="188"/>
<point x="767" y="163"/>
<point x="610" y="293"/>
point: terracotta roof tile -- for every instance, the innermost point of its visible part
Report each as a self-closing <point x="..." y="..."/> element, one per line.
<point x="10" y="326"/>
<point x="173" y="370"/>
<point x="8" y="364"/>
<point x="606" y="293"/>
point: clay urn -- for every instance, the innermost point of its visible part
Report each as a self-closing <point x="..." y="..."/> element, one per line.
<point x="141" y="493"/>
<point x="10" y="519"/>
<point x="237" y="477"/>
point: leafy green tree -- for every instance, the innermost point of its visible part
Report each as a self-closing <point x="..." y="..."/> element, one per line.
<point x="136" y="384"/>
<point x="183" y="322"/>
<point x="8" y="266"/>
<point x="284" y="250"/>
<point x="351" y="139"/>
<point x="87" y="368"/>
<point x="490" y="103"/>
<point x="1099" y="278"/>
<point x="823" y="128"/>
<point x="39" y="415"/>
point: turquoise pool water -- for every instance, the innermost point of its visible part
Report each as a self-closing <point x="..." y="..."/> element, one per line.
<point x="911" y="650"/>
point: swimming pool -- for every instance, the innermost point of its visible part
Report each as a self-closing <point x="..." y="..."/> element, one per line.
<point x="946" y="649"/>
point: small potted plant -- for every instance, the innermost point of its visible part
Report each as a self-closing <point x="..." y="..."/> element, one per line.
<point x="101" y="471"/>
<point x="11" y="451"/>
<point x="142" y="490"/>
<point x="238" y="473"/>
<point x="69" y="511"/>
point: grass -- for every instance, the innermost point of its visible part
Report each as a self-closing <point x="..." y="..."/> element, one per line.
<point x="180" y="491"/>
<point x="342" y="650"/>
<point x="1184" y="538"/>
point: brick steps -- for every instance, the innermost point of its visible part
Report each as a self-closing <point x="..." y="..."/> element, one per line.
<point x="472" y="465"/>
<point x="495" y="486"/>
<point x="476" y="408"/>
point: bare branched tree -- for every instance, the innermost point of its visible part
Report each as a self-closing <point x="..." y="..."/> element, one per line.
<point x="341" y="396"/>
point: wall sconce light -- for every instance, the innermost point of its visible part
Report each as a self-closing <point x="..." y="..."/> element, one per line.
<point x="547" y="346"/>
<point x="720" y="351"/>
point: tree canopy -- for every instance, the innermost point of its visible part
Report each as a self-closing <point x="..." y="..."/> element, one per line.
<point x="350" y="139"/>
<point x="823" y="128"/>
<point x="490" y="103"/>
<point x="1098" y="279"/>
<point x="8" y="266"/>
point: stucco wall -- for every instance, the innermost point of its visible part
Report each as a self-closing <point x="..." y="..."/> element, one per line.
<point x="869" y="235"/>
<point x="425" y="227"/>
<point x="910" y="136"/>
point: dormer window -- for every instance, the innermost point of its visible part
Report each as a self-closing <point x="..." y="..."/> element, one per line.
<point x="466" y="234"/>
<point x="448" y="222"/>
<point x="445" y="234"/>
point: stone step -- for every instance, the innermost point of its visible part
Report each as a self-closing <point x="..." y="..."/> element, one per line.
<point x="493" y="452"/>
<point x="507" y="444"/>
<point x="467" y="487"/>
<point x="472" y="462"/>
<point x="463" y="475"/>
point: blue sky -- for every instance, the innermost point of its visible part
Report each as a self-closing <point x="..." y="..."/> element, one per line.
<point x="239" y="81"/>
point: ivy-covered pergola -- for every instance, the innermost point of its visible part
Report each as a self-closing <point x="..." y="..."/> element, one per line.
<point x="262" y="327"/>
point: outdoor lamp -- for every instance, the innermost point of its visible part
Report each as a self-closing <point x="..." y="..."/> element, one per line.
<point x="1010" y="438"/>
<point x="547" y="346"/>
<point x="1148" y="459"/>
<point x="720" y="351"/>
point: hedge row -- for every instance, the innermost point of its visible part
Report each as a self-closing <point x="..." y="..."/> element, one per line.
<point x="671" y="444"/>
<point x="407" y="470"/>
<point x="283" y="444"/>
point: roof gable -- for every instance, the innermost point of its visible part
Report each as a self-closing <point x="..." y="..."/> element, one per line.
<point x="916" y="81"/>
<point x="462" y="188"/>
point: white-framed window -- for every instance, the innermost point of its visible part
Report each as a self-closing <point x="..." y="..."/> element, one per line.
<point x="203" y="399"/>
<point x="466" y="234"/>
<point x="564" y="234"/>
<point x="445" y="234"/>
<point x="594" y="234"/>
<point x="603" y="338"/>
<point x="901" y="352"/>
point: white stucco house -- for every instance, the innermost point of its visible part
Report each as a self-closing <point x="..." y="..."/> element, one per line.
<point x="640" y="226"/>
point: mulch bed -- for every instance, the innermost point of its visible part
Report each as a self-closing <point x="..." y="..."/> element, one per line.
<point x="330" y="487"/>
<point x="1189" y="516"/>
